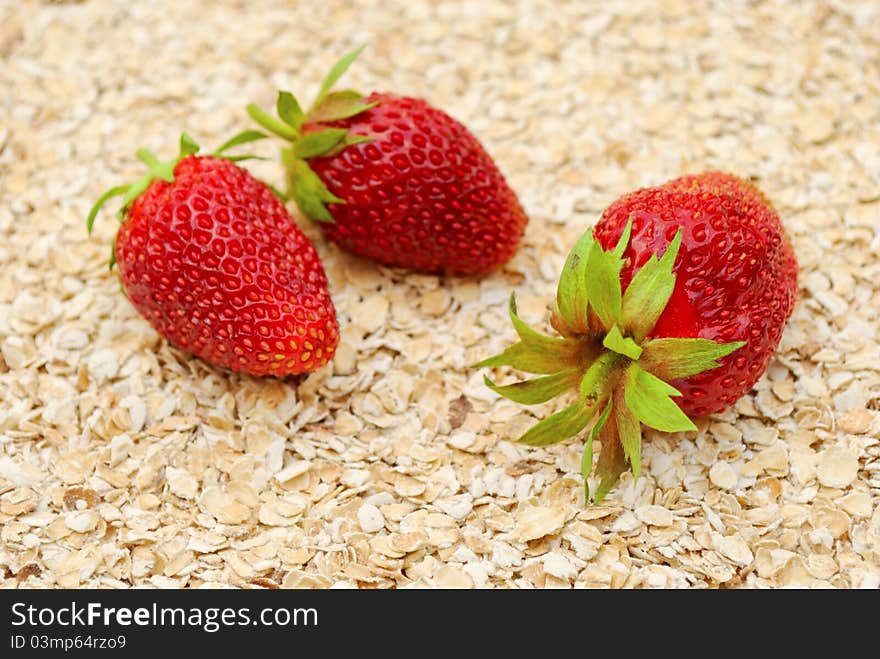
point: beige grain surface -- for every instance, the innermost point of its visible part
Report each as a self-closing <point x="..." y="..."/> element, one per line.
<point x="124" y="462"/>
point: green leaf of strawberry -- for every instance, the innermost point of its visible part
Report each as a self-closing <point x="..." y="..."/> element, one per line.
<point x="307" y="189"/>
<point x="339" y="105"/>
<point x="603" y="284"/>
<point x="289" y="110"/>
<point x="571" y="295"/>
<point x="593" y="385"/>
<point x="304" y="186"/>
<point x="671" y="359"/>
<point x="270" y="123"/>
<point x="557" y="427"/>
<point x="587" y="457"/>
<point x="336" y="73"/>
<point x="319" y="142"/>
<point x="604" y="353"/>
<point x="539" y="390"/>
<point x="628" y="428"/>
<point x="649" y="399"/>
<point x="622" y="345"/>
<point x="536" y="352"/>
<point x="649" y="292"/>
<point x="612" y="459"/>
<point x="243" y="137"/>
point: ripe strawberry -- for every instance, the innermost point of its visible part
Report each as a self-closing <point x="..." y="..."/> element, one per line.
<point x="211" y="258"/>
<point x="393" y="179"/>
<point x="700" y="323"/>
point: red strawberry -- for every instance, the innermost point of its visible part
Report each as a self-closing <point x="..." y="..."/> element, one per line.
<point x="700" y="323"/>
<point x="393" y="179"/>
<point x="211" y="258"/>
<point x="738" y="274"/>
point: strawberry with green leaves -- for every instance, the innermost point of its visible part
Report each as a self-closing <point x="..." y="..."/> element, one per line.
<point x="394" y="179"/>
<point x="669" y="309"/>
<point x="211" y="258"/>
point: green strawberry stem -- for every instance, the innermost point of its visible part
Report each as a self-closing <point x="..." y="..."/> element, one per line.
<point x="605" y="353"/>
<point x="164" y="171"/>
<point x="306" y="188"/>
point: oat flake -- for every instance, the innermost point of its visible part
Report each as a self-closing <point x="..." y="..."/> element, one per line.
<point x="126" y="463"/>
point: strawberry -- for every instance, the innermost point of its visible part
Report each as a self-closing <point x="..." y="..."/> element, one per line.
<point x="210" y="257"/>
<point x="671" y="308"/>
<point x="393" y="179"/>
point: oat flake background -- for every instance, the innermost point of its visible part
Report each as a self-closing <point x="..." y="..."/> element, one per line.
<point x="124" y="462"/>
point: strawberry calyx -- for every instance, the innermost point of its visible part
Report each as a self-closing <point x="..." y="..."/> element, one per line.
<point x="308" y="139"/>
<point x="606" y="354"/>
<point x="163" y="171"/>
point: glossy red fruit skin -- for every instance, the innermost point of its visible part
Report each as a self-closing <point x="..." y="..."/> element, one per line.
<point x="214" y="262"/>
<point x="736" y="274"/>
<point x="423" y="195"/>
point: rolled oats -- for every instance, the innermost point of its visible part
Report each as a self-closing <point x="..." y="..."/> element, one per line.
<point x="124" y="462"/>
